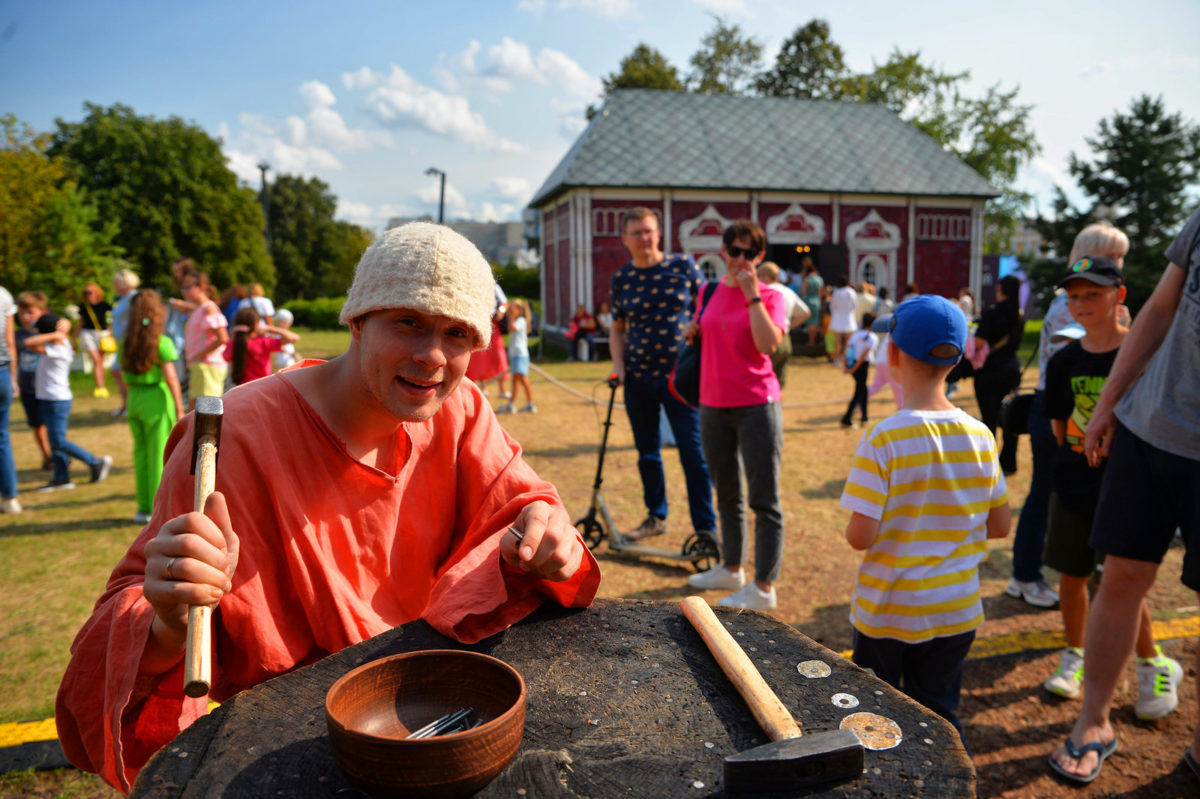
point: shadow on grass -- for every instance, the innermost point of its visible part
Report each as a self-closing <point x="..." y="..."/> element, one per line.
<point x="80" y="525"/>
<point x="829" y="626"/>
<point x="830" y="489"/>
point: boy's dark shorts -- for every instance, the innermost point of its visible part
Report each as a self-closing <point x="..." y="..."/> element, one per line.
<point x="33" y="412"/>
<point x="1067" y="532"/>
<point x="1146" y="494"/>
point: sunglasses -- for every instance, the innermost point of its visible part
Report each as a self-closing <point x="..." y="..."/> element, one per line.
<point x="735" y="251"/>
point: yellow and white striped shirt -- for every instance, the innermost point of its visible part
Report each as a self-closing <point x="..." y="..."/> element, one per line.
<point x="930" y="478"/>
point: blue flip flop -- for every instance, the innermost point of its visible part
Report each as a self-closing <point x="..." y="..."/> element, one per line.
<point x="1077" y="752"/>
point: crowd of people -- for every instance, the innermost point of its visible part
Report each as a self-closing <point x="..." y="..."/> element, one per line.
<point x="1114" y="424"/>
<point x="156" y="352"/>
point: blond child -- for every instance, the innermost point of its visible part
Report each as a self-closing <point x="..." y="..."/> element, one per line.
<point x="925" y="493"/>
<point x="1075" y="376"/>
<point x="518" y="355"/>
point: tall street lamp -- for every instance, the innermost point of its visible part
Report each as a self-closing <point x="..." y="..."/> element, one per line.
<point x="441" y="194"/>
<point x="263" y="166"/>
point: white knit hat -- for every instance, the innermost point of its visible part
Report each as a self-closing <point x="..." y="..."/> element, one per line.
<point x="429" y="268"/>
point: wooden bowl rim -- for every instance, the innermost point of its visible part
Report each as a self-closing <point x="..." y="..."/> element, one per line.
<point x="482" y="729"/>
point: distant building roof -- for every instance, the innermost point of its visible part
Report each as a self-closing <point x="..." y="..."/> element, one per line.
<point x="676" y="140"/>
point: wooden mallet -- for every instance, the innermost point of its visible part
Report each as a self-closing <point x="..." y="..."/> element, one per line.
<point x="206" y="435"/>
<point x="792" y="760"/>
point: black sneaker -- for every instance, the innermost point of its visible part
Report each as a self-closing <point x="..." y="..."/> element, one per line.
<point x="101" y="468"/>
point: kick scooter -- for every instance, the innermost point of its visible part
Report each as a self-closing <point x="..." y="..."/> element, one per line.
<point x="700" y="549"/>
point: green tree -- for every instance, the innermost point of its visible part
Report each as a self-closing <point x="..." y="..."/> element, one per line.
<point x="992" y="134"/>
<point x="314" y="255"/>
<point x="167" y="185"/>
<point x="28" y="180"/>
<point x="810" y="65"/>
<point x="1146" y="160"/>
<point x="726" y="62"/>
<point x="69" y="246"/>
<point x="644" y="68"/>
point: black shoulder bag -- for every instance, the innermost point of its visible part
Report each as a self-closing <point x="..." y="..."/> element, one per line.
<point x="684" y="382"/>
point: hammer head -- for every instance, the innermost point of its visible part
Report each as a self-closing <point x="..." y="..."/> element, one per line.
<point x="819" y="758"/>
<point x="206" y="423"/>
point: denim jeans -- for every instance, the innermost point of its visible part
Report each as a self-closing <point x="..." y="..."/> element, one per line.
<point x="747" y="440"/>
<point x="55" y="414"/>
<point x="8" y="471"/>
<point x="643" y="399"/>
<point x="1031" y="527"/>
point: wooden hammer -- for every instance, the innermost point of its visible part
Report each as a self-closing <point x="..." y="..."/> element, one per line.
<point x="791" y="761"/>
<point x="206" y="435"/>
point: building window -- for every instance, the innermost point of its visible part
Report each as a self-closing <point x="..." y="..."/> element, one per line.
<point x="607" y="221"/>
<point x="944" y="227"/>
<point x="711" y="267"/>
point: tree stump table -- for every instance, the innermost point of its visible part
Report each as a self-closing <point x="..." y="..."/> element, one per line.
<point x="624" y="699"/>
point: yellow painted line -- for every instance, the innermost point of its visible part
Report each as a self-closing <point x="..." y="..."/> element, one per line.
<point x="15" y="733"/>
<point x="24" y="732"/>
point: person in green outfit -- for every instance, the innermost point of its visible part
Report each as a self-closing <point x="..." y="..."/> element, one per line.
<point x="155" y="403"/>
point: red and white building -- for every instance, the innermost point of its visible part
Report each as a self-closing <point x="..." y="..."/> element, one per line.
<point x="852" y="186"/>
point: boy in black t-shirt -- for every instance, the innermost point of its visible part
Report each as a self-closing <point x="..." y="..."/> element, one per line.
<point x="1074" y="378"/>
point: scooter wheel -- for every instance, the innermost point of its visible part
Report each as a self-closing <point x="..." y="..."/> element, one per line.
<point x="703" y="551"/>
<point x="591" y="531"/>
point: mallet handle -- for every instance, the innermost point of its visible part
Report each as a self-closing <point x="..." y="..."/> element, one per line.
<point x="197" y="665"/>
<point x="771" y="713"/>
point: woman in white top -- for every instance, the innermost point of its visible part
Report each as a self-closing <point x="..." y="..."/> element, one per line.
<point x="843" y="308"/>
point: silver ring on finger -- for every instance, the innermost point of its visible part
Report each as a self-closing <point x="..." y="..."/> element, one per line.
<point x="170" y="563"/>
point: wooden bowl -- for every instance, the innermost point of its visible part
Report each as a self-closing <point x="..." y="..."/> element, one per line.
<point x="370" y="712"/>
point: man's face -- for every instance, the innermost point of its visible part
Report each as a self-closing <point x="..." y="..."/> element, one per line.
<point x="411" y="361"/>
<point x="641" y="237"/>
<point x="1091" y="304"/>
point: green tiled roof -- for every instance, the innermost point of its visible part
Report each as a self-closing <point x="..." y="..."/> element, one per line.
<point x="676" y="140"/>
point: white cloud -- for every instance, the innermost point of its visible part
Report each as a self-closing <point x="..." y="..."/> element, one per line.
<point x="316" y="94"/>
<point x="374" y="217"/>
<point x="558" y="68"/>
<point x="456" y="204"/>
<point x="512" y="188"/>
<point x="287" y="151"/>
<point x="737" y="7"/>
<point x="512" y="60"/>
<point x="612" y="9"/>
<point x="362" y="78"/>
<point x="403" y="102"/>
<point x="570" y="125"/>
<point x="1095" y="69"/>
<point x="499" y="212"/>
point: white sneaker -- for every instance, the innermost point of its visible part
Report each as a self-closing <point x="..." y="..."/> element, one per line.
<point x="530" y="408"/>
<point x="141" y="517"/>
<point x="1158" y="679"/>
<point x="718" y="577"/>
<point x="10" y="505"/>
<point x="1067" y="679"/>
<point x="750" y="597"/>
<point x="505" y="408"/>
<point x="1037" y="593"/>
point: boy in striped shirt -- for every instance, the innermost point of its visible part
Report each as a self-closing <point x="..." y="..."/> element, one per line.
<point x="925" y="493"/>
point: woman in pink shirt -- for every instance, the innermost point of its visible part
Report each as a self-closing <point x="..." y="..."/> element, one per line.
<point x="204" y="337"/>
<point x="249" y="351"/>
<point x="741" y="423"/>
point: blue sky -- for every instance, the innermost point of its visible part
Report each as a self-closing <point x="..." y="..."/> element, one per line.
<point x="368" y="95"/>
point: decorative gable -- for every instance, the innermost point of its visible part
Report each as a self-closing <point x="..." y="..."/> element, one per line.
<point x="795" y="226"/>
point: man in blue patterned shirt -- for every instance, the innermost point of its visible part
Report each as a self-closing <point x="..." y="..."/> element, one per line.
<point x="653" y="297"/>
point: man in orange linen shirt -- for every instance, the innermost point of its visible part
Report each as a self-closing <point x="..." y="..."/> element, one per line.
<point x="353" y="495"/>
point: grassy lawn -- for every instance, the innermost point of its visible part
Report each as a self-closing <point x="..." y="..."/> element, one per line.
<point x="56" y="557"/>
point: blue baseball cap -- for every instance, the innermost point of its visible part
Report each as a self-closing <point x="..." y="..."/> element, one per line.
<point x="926" y="323"/>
